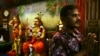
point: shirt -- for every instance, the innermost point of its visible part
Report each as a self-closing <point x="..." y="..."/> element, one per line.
<point x="64" y="40"/>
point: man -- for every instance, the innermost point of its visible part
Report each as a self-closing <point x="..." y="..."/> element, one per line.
<point x="67" y="41"/>
<point x="35" y="44"/>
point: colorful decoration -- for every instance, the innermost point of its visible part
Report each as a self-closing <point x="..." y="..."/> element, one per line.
<point x="40" y="15"/>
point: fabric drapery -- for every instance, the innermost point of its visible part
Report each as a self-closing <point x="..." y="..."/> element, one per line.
<point x="82" y="9"/>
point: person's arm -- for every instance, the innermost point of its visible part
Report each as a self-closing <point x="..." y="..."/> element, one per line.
<point x="11" y="23"/>
<point x="57" y="49"/>
<point x="20" y="30"/>
<point x="42" y="33"/>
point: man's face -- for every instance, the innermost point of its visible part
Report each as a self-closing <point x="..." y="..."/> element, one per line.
<point x="73" y="19"/>
<point x="36" y="22"/>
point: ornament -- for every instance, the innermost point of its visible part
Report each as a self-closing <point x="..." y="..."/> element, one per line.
<point x="6" y="13"/>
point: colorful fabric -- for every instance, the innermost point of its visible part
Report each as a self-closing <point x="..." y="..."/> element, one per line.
<point x="38" y="46"/>
<point x="64" y="40"/>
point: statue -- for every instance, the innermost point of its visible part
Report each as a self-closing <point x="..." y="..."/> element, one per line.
<point x="35" y="45"/>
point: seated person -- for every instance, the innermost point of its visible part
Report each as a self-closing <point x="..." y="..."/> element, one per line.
<point x="35" y="43"/>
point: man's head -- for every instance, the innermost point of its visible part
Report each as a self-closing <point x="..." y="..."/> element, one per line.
<point x="37" y="21"/>
<point x="69" y="16"/>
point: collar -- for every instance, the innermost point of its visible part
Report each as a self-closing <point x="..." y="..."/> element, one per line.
<point x="71" y="32"/>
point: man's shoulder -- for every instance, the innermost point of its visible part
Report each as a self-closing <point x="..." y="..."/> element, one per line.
<point x="57" y="35"/>
<point x="56" y="39"/>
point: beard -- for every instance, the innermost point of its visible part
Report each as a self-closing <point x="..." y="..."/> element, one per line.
<point x="77" y="24"/>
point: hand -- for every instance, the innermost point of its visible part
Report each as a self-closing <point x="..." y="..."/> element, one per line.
<point x="89" y="42"/>
<point x="92" y="36"/>
<point x="38" y="38"/>
<point x="15" y="24"/>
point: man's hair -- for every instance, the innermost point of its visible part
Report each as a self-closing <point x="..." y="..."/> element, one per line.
<point x="39" y="19"/>
<point x="66" y="10"/>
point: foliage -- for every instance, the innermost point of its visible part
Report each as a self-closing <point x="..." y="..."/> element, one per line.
<point x="21" y="10"/>
<point x="54" y="6"/>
